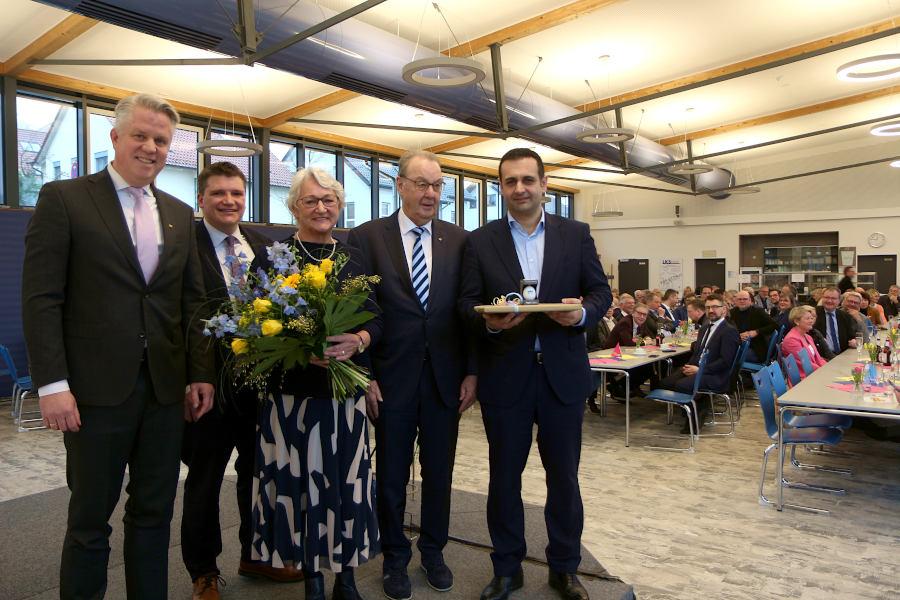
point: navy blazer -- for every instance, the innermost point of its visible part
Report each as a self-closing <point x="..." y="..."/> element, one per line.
<point x="846" y="328"/>
<point x="722" y="346"/>
<point x="406" y="336"/>
<point x="571" y="269"/>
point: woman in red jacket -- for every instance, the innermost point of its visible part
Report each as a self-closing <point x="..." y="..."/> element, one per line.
<point x="803" y="317"/>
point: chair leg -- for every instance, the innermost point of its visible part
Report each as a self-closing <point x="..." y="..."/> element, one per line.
<point x="799" y="465"/>
<point x="763" y="500"/>
<point x="826" y="451"/>
<point x="691" y="446"/>
<point x="714" y="422"/>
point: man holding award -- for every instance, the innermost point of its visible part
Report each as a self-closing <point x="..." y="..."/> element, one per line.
<point x="533" y="367"/>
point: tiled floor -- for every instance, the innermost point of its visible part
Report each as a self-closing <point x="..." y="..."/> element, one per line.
<point x="675" y="525"/>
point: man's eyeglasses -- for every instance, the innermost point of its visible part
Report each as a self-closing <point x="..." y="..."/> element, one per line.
<point x="641" y="314"/>
<point x="312" y="201"/>
<point x="714" y="306"/>
<point x="421" y="185"/>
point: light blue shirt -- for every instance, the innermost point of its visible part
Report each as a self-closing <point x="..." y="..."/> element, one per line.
<point x="530" y="252"/>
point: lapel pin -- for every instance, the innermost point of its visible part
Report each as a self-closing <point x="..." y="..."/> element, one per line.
<point x="440" y="239"/>
<point x="171" y="226"/>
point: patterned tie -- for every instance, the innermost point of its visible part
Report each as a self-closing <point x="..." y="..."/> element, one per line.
<point x="235" y="267"/>
<point x="832" y="333"/>
<point x="420" y="269"/>
<point x="145" y="240"/>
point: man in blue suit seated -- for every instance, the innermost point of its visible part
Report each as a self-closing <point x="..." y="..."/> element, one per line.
<point x="721" y="339"/>
<point x="533" y="368"/>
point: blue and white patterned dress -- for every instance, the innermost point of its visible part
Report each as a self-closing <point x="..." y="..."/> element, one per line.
<point x="313" y="485"/>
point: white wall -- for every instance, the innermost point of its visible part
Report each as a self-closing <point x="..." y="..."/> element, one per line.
<point x="854" y="202"/>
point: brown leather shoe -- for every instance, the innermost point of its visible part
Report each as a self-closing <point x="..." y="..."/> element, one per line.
<point x="258" y="570"/>
<point x="206" y="587"/>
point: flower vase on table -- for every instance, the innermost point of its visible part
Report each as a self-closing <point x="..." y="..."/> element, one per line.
<point x="871" y="373"/>
<point x="856" y="374"/>
<point x="638" y="349"/>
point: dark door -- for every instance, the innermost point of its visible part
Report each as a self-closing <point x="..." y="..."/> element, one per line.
<point x="709" y="271"/>
<point x="883" y="265"/>
<point x="634" y="274"/>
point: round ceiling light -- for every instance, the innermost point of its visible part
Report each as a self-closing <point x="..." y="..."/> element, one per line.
<point x="872" y="68"/>
<point x="895" y="164"/>
<point x="689" y="168"/>
<point x="230" y="148"/>
<point x="605" y="135"/>
<point x="886" y="129"/>
<point x="468" y="72"/>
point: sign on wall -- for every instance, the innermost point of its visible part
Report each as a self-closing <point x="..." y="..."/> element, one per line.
<point x="670" y="274"/>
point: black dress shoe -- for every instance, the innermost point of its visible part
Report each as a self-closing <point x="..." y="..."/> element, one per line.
<point x="592" y="404"/>
<point x="501" y="587"/>
<point x="568" y="586"/>
<point x="314" y="585"/>
<point x="345" y="586"/>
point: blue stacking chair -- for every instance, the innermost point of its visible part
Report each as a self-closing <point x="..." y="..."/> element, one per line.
<point x="21" y="384"/>
<point x="792" y="437"/>
<point x="685" y="401"/>
<point x="793" y="371"/>
<point x="806" y="361"/>
<point x="791" y="419"/>
<point x="726" y="394"/>
<point x="753" y="367"/>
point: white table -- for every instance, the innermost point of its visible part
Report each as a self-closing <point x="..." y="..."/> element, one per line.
<point x="813" y="395"/>
<point x="623" y="367"/>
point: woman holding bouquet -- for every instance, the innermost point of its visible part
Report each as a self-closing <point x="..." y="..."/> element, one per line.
<point x="314" y="492"/>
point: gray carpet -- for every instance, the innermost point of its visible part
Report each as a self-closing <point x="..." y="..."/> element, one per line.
<point x="32" y="529"/>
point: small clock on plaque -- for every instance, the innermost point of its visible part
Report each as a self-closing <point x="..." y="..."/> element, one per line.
<point x="528" y="289"/>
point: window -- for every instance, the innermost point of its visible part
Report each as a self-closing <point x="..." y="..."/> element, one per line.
<point x="323" y="159"/>
<point x="447" y="209"/>
<point x="100" y="161"/>
<point x="357" y="190"/>
<point x="388" y="198"/>
<point x="471" y="203"/>
<point x="47" y="141"/>
<point x="565" y="205"/>
<point x="550" y="204"/>
<point x="494" y="201"/>
<point x="282" y="167"/>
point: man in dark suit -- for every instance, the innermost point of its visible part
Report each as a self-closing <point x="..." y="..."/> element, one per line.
<point x="890" y="302"/>
<point x="721" y="340"/>
<point x="754" y="324"/>
<point x="533" y="368"/>
<point x="657" y="318"/>
<point x="836" y="325"/>
<point x="112" y="305"/>
<point x="626" y="305"/>
<point x="670" y="307"/>
<point x="231" y="423"/>
<point x="422" y="378"/>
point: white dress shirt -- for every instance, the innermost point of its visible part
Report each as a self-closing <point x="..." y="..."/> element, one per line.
<point x="409" y="240"/>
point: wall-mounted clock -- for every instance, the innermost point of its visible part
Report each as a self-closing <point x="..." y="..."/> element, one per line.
<point x="877" y="239"/>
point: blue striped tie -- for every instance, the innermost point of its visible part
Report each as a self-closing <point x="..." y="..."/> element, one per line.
<point x="420" y="269"/>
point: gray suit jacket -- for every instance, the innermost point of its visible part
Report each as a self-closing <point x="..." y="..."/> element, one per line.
<point x="88" y="314"/>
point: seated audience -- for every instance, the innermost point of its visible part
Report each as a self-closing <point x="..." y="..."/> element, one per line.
<point x="891" y="302"/>
<point x="687" y="291"/>
<point x="670" y="307"/>
<point x="803" y="319"/>
<point x="721" y="340"/>
<point x="754" y="324"/>
<point x="774" y="298"/>
<point x="626" y="305"/>
<point x="782" y="319"/>
<point x="627" y="332"/>
<point x="657" y="318"/>
<point x="696" y="312"/>
<point x="640" y="296"/>
<point x="875" y="310"/>
<point x="596" y="337"/>
<point x="837" y="326"/>
<point x="850" y="304"/>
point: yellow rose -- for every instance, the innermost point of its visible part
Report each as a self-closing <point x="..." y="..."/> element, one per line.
<point x="239" y="346"/>
<point x="261" y="306"/>
<point x="326" y="265"/>
<point x="271" y="327"/>
<point x="317" y="280"/>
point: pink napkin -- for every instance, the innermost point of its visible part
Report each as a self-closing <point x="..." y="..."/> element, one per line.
<point x="604" y="361"/>
<point x="617" y="351"/>
<point x="848" y="387"/>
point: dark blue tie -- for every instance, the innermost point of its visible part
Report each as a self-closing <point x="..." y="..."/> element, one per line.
<point x="832" y="333"/>
<point x="419" y="269"/>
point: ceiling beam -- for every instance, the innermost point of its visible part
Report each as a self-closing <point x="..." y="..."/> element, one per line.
<point x="749" y="64"/>
<point x="782" y="116"/>
<point x="455" y="144"/>
<point x="507" y="34"/>
<point x="58" y="36"/>
<point x="537" y="24"/>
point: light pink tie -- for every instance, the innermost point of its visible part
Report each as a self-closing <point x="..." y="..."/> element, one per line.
<point x="145" y="240"/>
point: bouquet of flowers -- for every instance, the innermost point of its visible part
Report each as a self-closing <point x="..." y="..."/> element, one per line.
<point x="856" y="374"/>
<point x="872" y="349"/>
<point x="685" y="327"/>
<point x="280" y="318"/>
<point x="894" y="335"/>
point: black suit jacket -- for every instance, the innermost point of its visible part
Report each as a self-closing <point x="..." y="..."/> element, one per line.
<point x="570" y="270"/>
<point x="622" y="333"/>
<point x="846" y="327"/>
<point x="757" y="319"/>
<point x="87" y="312"/>
<point x="217" y="293"/>
<point x="722" y="346"/>
<point x="406" y="336"/>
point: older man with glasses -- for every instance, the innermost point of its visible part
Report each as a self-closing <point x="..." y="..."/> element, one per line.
<point x="754" y="324"/>
<point x="721" y="340"/>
